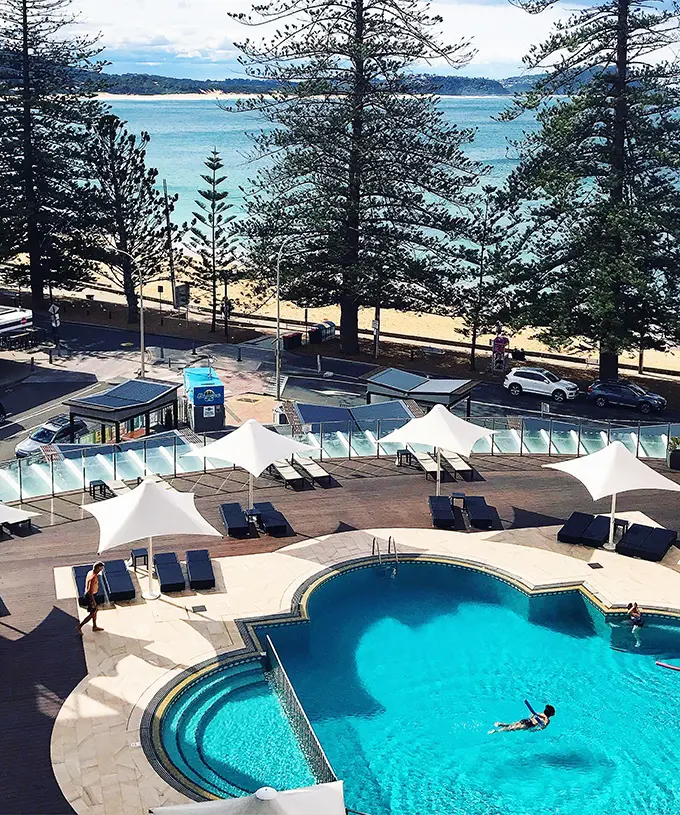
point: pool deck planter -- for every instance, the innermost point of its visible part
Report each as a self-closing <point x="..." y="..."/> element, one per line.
<point x="96" y="747"/>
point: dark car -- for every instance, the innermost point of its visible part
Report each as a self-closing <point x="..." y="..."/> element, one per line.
<point x="619" y="392"/>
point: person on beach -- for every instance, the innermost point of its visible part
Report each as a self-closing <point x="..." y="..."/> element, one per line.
<point x="635" y="616"/>
<point x="538" y="720"/>
<point x="91" y="589"/>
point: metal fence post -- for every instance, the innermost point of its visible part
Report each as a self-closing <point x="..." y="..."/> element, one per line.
<point x="377" y="439"/>
<point x="174" y="456"/>
<point x="52" y="474"/>
<point x="609" y="432"/>
<point x="578" y="442"/>
<point x="349" y="440"/>
<point x="145" y="467"/>
<point x="521" y="436"/>
<point x="493" y="437"/>
<point x="204" y="458"/>
<point x="21" y="483"/>
<point x="637" y="446"/>
<point x="550" y="438"/>
<point x="320" y="441"/>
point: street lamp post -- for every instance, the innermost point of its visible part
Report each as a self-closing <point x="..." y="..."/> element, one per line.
<point x="284" y="243"/>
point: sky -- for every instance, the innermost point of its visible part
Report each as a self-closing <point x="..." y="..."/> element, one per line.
<point x="194" y="38"/>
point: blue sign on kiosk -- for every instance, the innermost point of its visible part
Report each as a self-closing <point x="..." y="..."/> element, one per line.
<point x="205" y="399"/>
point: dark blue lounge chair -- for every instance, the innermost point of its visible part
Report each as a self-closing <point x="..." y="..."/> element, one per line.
<point x="234" y="520"/>
<point x="271" y="520"/>
<point x="169" y="572"/>
<point x="596" y="533"/>
<point x="576" y="525"/>
<point x="441" y="512"/>
<point x="200" y="570"/>
<point x="119" y="584"/>
<point x="478" y="511"/>
<point x="646" y="542"/>
<point x="80" y="576"/>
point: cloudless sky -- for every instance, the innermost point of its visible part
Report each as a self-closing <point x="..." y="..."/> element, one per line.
<point x="194" y="38"/>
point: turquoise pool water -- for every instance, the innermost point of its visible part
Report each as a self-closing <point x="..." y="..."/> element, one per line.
<point x="402" y="676"/>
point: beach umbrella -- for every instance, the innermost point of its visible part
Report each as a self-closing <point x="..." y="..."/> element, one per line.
<point x="253" y="447"/>
<point x="441" y="430"/>
<point x="148" y="511"/>
<point x="322" y="799"/>
<point x="12" y="515"/>
<point x="612" y="470"/>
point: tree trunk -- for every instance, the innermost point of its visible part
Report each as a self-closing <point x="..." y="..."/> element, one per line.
<point x="609" y="364"/>
<point x="28" y="160"/>
<point x="130" y="291"/>
<point x="349" y="325"/>
<point x="473" y="356"/>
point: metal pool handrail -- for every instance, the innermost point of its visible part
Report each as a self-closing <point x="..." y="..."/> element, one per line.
<point x="311" y="746"/>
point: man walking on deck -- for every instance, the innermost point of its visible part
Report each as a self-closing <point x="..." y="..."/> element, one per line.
<point x="91" y="589"/>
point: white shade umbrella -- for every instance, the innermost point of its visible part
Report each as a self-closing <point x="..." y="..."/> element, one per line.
<point x="612" y="470"/>
<point x="253" y="447"/>
<point x="322" y="799"/>
<point x="146" y="512"/>
<point x="440" y="429"/>
<point x="12" y="515"/>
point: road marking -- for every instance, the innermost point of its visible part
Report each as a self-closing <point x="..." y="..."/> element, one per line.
<point x="20" y="418"/>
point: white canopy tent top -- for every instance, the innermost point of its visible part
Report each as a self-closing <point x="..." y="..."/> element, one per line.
<point x="148" y="511"/>
<point x="440" y="429"/>
<point x="12" y="515"/>
<point x="322" y="799"/>
<point x="253" y="447"/>
<point x="613" y="470"/>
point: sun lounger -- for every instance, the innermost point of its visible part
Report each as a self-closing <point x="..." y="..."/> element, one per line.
<point x="441" y="512"/>
<point x="457" y="464"/>
<point x="478" y="511"/>
<point x="573" y="529"/>
<point x="426" y="463"/>
<point x="234" y="520"/>
<point x="119" y="584"/>
<point x="646" y="542"/>
<point x="287" y="473"/>
<point x="271" y="520"/>
<point x="200" y="570"/>
<point x="169" y="572"/>
<point x="80" y="576"/>
<point x="117" y="487"/>
<point x="313" y="470"/>
<point x="596" y="533"/>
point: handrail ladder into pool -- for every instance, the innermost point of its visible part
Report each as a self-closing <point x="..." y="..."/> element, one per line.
<point x="375" y="549"/>
<point x="302" y="727"/>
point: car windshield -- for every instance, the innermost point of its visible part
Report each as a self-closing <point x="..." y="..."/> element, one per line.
<point x="637" y="390"/>
<point x="550" y="376"/>
<point x="42" y="435"/>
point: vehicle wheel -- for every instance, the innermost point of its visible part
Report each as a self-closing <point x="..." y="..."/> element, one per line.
<point x="601" y="402"/>
<point x="559" y="396"/>
<point x="645" y="408"/>
<point x="515" y="389"/>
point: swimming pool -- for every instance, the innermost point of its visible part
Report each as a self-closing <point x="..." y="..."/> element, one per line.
<point x="403" y="675"/>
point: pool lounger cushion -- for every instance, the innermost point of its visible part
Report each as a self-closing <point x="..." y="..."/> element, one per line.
<point x="80" y="576"/>
<point x="169" y="572"/>
<point x="234" y="520"/>
<point x="118" y="581"/>
<point x="576" y="525"/>
<point x="441" y="512"/>
<point x="200" y="570"/>
<point x="272" y="521"/>
<point x="646" y="542"/>
<point x="596" y="533"/>
<point x="478" y="511"/>
<point x="313" y="470"/>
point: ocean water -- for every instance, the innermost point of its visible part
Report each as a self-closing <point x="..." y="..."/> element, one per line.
<point x="184" y="131"/>
<point x="403" y="676"/>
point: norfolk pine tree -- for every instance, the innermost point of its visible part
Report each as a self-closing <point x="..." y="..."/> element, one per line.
<point x="600" y="178"/>
<point x="361" y="165"/>
<point x="211" y="239"/>
<point x="46" y="105"/>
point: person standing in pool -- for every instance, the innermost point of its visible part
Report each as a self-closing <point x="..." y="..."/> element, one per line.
<point x="91" y="589"/>
<point x="635" y="616"/>
<point x="539" y="720"/>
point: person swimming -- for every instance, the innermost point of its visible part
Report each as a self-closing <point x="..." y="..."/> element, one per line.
<point x="635" y="616"/>
<point x="536" y="720"/>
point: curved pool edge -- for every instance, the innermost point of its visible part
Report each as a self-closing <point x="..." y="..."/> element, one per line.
<point x="93" y="729"/>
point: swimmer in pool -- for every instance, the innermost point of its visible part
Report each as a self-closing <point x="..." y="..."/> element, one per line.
<point x="635" y="616"/>
<point x="540" y="721"/>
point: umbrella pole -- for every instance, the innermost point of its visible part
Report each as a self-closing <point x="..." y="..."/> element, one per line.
<point x="610" y="545"/>
<point x="250" y="490"/>
<point x="439" y="471"/>
<point x="150" y="594"/>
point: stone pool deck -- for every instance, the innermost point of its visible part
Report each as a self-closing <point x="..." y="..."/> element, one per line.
<point x="95" y="748"/>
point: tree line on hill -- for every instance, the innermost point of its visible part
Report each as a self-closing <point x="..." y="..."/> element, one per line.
<point x="367" y="197"/>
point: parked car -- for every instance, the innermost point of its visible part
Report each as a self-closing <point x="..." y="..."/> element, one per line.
<point x="620" y="392"/>
<point x="541" y="382"/>
<point x="55" y="431"/>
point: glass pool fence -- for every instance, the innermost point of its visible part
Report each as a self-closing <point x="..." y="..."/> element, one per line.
<point x="172" y="454"/>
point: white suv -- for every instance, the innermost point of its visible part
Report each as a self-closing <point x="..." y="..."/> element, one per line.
<point x="541" y="382"/>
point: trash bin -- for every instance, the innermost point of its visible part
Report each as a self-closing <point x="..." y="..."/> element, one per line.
<point x="316" y="334"/>
<point x="328" y="330"/>
<point x="292" y="340"/>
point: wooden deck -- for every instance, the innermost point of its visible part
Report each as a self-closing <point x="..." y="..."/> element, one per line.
<point x="42" y="659"/>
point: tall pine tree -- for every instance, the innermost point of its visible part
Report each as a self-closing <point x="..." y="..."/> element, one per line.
<point x="211" y="239"/>
<point x="361" y="165"/>
<point x="46" y="105"/>
<point x="601" y="181"/>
